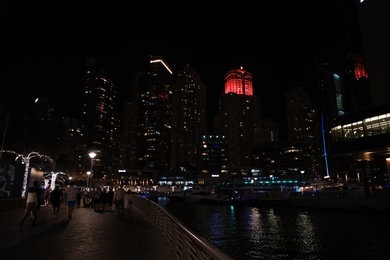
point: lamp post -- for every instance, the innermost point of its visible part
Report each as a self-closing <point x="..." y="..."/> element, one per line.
<point x="88" y="173"/>
<point x="91" y="155"/>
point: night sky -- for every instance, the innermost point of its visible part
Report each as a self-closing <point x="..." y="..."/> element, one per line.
<point x="44" y="47"/>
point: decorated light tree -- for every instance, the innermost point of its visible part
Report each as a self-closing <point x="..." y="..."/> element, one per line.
<point x="25" y="159"/>
<point x="52" y="178"/>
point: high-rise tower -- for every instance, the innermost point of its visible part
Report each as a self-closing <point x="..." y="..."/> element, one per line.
<point x="154" y="118"/>
<point x="98" y="122"/>
<point x="374" y="23"/>
<point x="239" y="119"/>
<point x="303" y="126"/>
<point x="190" y="118"/>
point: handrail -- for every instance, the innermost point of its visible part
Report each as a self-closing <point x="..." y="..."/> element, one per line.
<point x="184" y="244"/>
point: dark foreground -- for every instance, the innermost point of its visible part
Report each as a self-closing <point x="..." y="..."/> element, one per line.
<point x="88" y="235"/>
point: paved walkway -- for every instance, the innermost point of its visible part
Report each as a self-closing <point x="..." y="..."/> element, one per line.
<point x="88" y="235"/>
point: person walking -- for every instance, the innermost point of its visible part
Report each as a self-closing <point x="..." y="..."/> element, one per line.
<point x="78" y="198"/>
<point x="119" y="196"/>
<point x="70" y="198"/>
<point x="32" y="203"/>
<point x="128" y="202"/>
<point x="56" y="197"/>
<point x="96" y="196"/>
<point x="104" y="199"/>
<point x="47" y="196"/>
<point x="110" y="197"/>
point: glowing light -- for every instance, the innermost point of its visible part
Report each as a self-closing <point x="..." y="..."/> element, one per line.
<point x="239" y="82"/>
<point x="54" y="178"/>
<point x="163" y="63"/>
<point x="26" y="161"/>
<point x="91" y="155"/>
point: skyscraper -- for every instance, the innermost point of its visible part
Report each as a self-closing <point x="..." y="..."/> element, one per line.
<point x="360" y="139"/>
<point x="239" y="119"/>
<point x="190" y="118"/>
<point x="374" y="23"/>
<point x="99" y="123"/>
<point x="153" y="97"/>
<point x="303" y="126"/>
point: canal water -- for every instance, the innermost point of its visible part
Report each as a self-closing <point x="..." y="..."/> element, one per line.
<point x="281" y="232"/>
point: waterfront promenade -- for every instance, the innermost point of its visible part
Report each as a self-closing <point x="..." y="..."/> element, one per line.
<point x="88" y="235"/>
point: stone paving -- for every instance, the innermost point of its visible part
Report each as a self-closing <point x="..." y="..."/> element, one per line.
<point x="88" y="235"/>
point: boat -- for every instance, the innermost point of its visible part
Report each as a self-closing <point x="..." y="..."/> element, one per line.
<point x="208" y="196"/>
<point x="198" y="195"/>
<point x="185" y="195"/>
<point x="213" y="199"/>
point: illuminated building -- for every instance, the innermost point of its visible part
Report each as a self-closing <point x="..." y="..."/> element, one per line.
<point x="239" y="81"/>
<point x="213" y="165"/>
<point x="239" y="119"/>
<point x="190" y="118"/>
<point x="360" y="142"/>
<point x="152" y="102"/>
<point x="303" y="126"/>
<point x="98" y="122"/>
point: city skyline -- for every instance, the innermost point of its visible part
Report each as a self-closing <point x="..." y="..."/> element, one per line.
<point x="281" y="53"/>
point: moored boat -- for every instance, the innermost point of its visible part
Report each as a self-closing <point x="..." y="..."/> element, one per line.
<point x="187" y="195"/>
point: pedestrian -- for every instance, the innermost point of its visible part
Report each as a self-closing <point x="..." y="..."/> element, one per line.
<point x="104" y="199"/>
<point x="119" y="196"/>
<point x="128" y="202"/>
<point x="87" y="200"/>
<point x="96" y="196"/>
<point x="110" y="197"/>
<point x="32" y="203"/>
<point x="47" y="196"/>
<point x="56" y="197"/>
<point x="70" y="198"/>
<point x="78" y="198"/>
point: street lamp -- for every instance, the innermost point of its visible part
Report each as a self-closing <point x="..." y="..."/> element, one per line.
<point x="88" y="173"/>
<point x="91" y="155"/>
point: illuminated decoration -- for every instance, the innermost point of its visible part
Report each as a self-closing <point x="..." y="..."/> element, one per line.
<point x="46" y="181"/>
<point x="324" y="144"/>
<point x="239" y="82"/>
<point x="359" y="68"/>
<point x="54" y="178"/>
<point x="26" y="161"/>
<point x="163" y="63"/>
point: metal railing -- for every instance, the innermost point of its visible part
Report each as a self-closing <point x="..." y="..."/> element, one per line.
<point x="183" y="243"/>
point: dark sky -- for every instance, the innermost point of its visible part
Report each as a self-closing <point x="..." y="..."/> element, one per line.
<point x="44" y="47"/>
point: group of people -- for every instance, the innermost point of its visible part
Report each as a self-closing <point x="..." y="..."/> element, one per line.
<point x="33" y="201"/>
<point x="122" y="201"/>
<point x="101" y="198"/>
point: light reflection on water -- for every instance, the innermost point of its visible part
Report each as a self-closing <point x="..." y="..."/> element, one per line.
<point x="245" y="232"/>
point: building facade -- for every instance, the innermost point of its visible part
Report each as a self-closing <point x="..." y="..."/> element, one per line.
<point x="99" y="123"/>
<point x="239" y="118"/>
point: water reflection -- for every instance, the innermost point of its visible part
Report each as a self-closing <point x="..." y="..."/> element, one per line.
<point x="307" y="237"/>
<point x="245" y="232"/>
